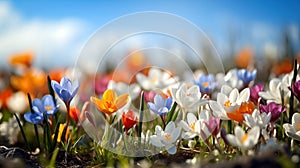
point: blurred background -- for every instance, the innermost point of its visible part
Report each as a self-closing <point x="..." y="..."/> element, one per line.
<point x="265" y="34"/>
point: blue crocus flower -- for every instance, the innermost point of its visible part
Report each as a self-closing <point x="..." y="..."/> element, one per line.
<point x="160" y="106"/>
<point x="41" y="107"/>
<point x="206" y="83"/>
<point x="66" y="90"/>
<point x="245" y="75"/>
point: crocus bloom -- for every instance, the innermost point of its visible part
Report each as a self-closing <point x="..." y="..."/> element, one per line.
<point x="10" y="130"/>
<point x="74" y="113"/>
<point x="66" y="90"/>
<point x="238" y="114"/>
<point x="129" y="119"/>
<point x="17" y="102"/>
<point x="257" y="119"/>
<point x="228" y="103"/>
<point x="166" y="138"/>
<point x="206" y="83"/>
<point x="191" y="127"/>
<point x="245" y="75"/>
<point x="149" y="96"/>
<point x="5" y="95"/>
<point x="194" y="127"/>
<point x="101" y="84"/>
<point x="189" y="98"/>
<point x="160" y="106"/>
<point x="213" y="125"/>
<point x="254" y="92"/>
<point x="110" y="102"/>
<point x="242" y="139"/>
<point x="24" y="59"/>
<point x="293" y="130"/>
<point x="274" y="109"/>
<point x="156" y="79"/>
<point x="122" y="88"/>
<point x="60" y="132"/>
<point x="296" y="89"/>
<point x="40" y="107"/>
<point x="273" y="94"/>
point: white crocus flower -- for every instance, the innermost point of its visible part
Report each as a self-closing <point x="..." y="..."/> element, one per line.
<point x="194" y="127"/>
<point x="191" y="127"/>
<point x="17" y="103"/>
<point x="188" y="98"/>
<point x="156" y="79"/>
<point x="273" y="94"/>
<point x="257" y="119"/>
<point x="10" y="130"/>
<point x="166" y="138"/>
<point x="242" y="139"/>
<point x="293" y="130"/>
<point x="227" y="103"/>
<point x="122" y="88"/>
<point x="230" y="79"/>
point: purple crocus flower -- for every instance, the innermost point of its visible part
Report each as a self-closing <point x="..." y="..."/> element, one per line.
<point x="254" y="92"/>
<point x="160" y="106"/>
<point x="101" y="84"/>
<point x="149" y="96"/>
<point x="296" y="89"/>
<point x="41" y="107"/>
<point x="245" y="75"/>
<point x="206" y="83"/>
<point x="213" y="125"/>
<point x="274" y="109"/>
<point x="66" y="90"/>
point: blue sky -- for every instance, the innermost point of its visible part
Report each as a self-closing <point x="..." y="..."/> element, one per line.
<point x="254" y="23"/>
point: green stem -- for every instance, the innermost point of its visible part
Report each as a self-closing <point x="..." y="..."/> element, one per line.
<point x="37" y="136"/>
<point x="292" y="95"/>
<point x="140" y="124"/>
<point x="22" y="130"/>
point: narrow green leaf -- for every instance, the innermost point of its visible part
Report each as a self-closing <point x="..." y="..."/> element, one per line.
<point x="141" y="115"/>
<point x="171" y="113"/>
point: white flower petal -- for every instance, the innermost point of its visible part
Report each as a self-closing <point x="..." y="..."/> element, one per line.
<point x="172" y="150"/>
<point x="155" y="140"/>
<point x="191" y="118"/>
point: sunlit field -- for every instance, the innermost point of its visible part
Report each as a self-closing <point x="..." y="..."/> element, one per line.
<point x="147" y="89"/>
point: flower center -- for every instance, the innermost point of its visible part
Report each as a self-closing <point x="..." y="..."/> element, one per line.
<point x="299" y="126"/>
<point x="188" y="94"/>
<point x="244" y="138"/>
<point x="167" y="137"/>
<point x="192" y="126"/>
<point x="227" y="104"/>
<point x="154" y="80"/>
<point x="48" y="108"/>
<point x="205" y="84"/>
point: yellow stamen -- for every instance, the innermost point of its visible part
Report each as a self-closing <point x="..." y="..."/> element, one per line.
<point x="205" y="84"/>
<point x="298" y="126"/>
<point x="167" y="137"/>
<point x="188" y="94"/>
<point x="227" y="104"/>
<point x="154" y="80"/>
<point x="192" y="126"/>
<point x="244" y="138"/>
<point x="48" y="108"/>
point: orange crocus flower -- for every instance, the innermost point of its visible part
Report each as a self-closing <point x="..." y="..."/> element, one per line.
<point x="4" y="96"/>
<point x="238" y="114"/>
<point x="24" y="59"/>
<point x="32" y="81"/>
<point x="110" y="102"/>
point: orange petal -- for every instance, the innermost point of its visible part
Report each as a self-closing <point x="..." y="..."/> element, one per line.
<point x="122" y="100"/>
<point x="109" y="95"/>
<point x="100" y="104"/>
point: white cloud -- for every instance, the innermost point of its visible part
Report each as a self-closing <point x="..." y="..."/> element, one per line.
<point x="55" y="43"/>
